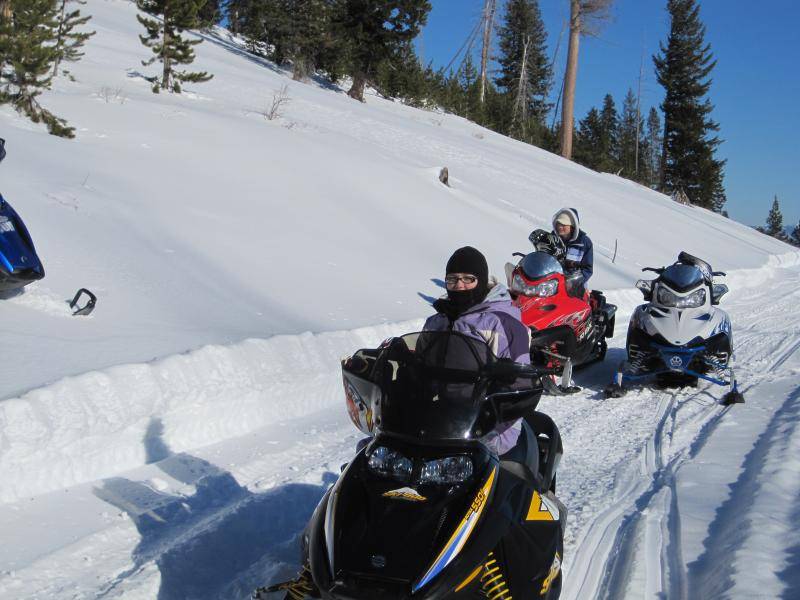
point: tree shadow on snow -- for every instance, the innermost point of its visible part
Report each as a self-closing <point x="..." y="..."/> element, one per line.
<point x="221" y="541"/>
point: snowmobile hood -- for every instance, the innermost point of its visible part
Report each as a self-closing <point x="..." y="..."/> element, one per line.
<point x="540" y="264"/>
<point x="18" y="259"/>
<point x="682" y="278"/>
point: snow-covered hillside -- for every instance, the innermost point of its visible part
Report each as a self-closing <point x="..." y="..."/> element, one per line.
<point x="173" y="443"/>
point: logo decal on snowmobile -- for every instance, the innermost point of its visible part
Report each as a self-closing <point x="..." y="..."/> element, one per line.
<point x="357" y="408"/>
<point x="542" y="509"/>
<point x="461" y="534"/>
<point x="554" y="569"/>
<point x="405" y="493"/>
<point x="676" y="362"/>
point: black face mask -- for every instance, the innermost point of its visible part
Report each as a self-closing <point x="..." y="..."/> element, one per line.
<point x="459" y="301"/>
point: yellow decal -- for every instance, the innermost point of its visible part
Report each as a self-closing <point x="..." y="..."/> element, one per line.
<point x="541" y="509"/>
<point x="554" y="569"/>
<point x="405" y="493"/>
<point x="469" y="578"/>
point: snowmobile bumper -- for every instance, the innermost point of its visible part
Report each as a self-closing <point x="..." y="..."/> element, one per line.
<point x="680" y="360"/>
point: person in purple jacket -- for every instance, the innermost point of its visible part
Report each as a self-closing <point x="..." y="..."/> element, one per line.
<point x="482" y="309"/>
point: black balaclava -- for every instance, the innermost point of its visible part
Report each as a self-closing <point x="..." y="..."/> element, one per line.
<point x="471" y="261"/>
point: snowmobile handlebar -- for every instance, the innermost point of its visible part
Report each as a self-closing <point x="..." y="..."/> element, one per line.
<point x="658" y="270"/>
<point x="520" y="254"/>
<point x="507" y="368"/>
<point x="719" y="274"/>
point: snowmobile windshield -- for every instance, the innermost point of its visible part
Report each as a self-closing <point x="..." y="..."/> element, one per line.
<point x="433" y="385"/>
<point x="682" y="278"/>
<point x="539" y="264"/>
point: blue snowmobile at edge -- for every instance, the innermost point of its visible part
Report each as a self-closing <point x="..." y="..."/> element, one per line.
<point x="19" y="263"/>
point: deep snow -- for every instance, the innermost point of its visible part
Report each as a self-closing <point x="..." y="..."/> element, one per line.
<point x="200" y="421"/>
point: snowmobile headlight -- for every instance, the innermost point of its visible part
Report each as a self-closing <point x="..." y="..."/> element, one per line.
<point x="452" y="469"/>
<point x="542" y="290"/>
<point x="666" y="297"/>
<point x="547" y="288"/>
<point x="390" y="463"/>
<point x="693" y="300"/>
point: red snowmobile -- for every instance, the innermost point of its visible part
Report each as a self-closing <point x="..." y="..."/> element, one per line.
<point x="569" y="325"/>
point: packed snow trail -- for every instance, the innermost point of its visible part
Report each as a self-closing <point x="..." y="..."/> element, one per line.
<point x="669" y="492"/>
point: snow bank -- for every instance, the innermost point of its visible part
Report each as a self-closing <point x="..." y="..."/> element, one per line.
<point x="94" y="425"/>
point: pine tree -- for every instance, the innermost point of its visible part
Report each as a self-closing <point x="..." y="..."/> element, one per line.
<point x="27" y="53"/>
<point x="68" y="41"/>
<point x="631" y="126"/>
<point x="589" y="140"/>
<point x="796" y="234"/>
<point x="164" y="38"/>
<point x="609" y="137"/>
<point x="210" y="14"/>
<point x="683" y="67"/>
<point x="523" y="39"/>
<point x="775" y="221"/>
<point x="374" y="30"/>
<point x="310" y="22"/>
<point x="652" y="150"/>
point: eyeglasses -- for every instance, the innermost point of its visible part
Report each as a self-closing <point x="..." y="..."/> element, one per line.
<point x="454" y="279"/>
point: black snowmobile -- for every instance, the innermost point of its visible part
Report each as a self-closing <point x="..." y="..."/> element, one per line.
<point x="19" y="264"/>
<point x="425" y="510"/>
<point x="680" y="335"/>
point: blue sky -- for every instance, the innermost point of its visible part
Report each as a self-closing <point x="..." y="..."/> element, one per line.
<point x="755" y="90"/>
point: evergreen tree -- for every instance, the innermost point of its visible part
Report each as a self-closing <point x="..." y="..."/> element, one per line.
<point x="374" y="30"/>
<point x="631" y="146"/>
<point x="164" y="38"/>
<point x="470" y="90"/>
<point x="796" y="234"/>
<point x="68" y="41"/>
<point x="683" y="67"/>
<point x="589" y="140"/>
<point x="609" y="137"/>
<point x="309" y="24"/>
<point x="210" y="14"/>
<point x="522" y="37"/>
<point x="775" y="221"/>
<point x="27" y="53"/>
<point x="652" y="150"/>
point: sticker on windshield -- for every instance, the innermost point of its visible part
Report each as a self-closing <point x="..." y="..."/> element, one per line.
<point x="6" y="225"/>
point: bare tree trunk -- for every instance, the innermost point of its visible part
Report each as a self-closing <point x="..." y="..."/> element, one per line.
<point x="638" y="114"/>
<point x="59" y="41"/>
<point x="165" y="75"/>
<point x="568" y="107"/>
<point x="357" y="89"/>
<point x="488" y="17"/>
<point x="5" y="10"/>
<point x="520" y="112"/>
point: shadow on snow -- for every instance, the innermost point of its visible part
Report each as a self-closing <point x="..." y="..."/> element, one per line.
<point x="221" y="541"/>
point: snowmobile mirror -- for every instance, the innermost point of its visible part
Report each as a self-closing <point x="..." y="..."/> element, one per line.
<point x="86" y="309"/>
<point x="718" y="290"/>
<point x="646" y="287"/>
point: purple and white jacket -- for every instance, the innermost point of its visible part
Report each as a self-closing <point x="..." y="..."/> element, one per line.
<point x="497" y="322"/>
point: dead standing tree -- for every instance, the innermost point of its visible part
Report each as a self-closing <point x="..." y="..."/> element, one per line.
<point x="488" y="22"/>
<point x="586" y="16"/>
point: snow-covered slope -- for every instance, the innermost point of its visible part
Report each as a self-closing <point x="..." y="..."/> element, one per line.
<point x="198" y="221"/>
<point x="201" y="420"/>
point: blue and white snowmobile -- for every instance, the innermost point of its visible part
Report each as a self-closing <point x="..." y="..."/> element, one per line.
<point x="19" y="264"/>
<point x="680" y="335"/>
